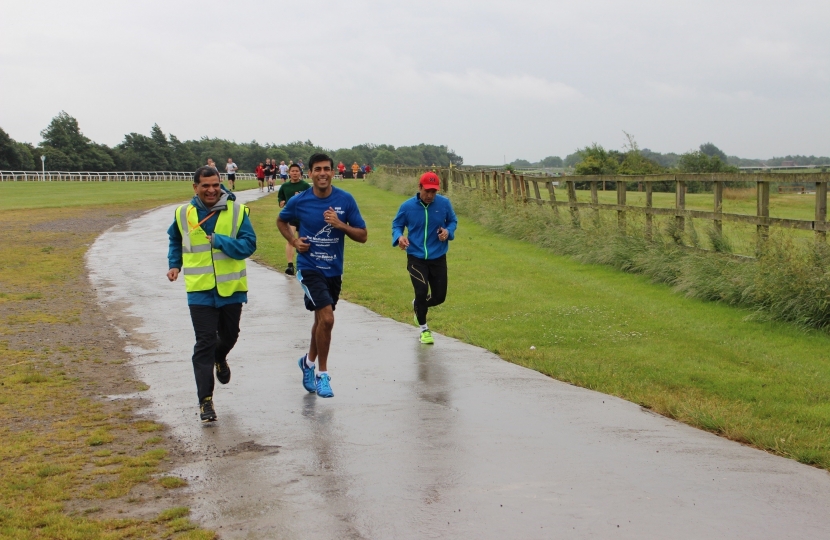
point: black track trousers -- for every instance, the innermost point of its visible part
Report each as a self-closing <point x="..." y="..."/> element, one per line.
<point x="429" y="279"/>
<point x="217" y="330"/>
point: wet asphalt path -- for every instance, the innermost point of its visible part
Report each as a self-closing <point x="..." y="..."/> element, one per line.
<point x="443" y="441"/>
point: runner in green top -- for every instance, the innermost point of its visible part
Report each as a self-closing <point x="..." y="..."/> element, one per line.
<point x="287" y="190"/>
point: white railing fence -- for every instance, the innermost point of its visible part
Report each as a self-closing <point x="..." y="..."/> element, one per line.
<point x="120" y="176"/>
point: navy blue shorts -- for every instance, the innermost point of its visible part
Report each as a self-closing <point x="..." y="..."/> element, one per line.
<point x="320" y="291"/>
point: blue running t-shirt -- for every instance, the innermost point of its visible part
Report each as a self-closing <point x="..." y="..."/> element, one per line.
<point x="326" y="252"/>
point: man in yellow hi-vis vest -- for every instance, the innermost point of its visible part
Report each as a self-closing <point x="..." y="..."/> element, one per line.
<point x="210" y="238"/>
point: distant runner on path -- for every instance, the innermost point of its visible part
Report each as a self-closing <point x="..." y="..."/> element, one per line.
<point x="210" y="238"/>
<point x="430" y="222"/>
<point x="231" y="169"/>
<point x="260" y="175"/>
<point x="294" y="185"/>
<point x="269" y="173"/>
<point x="283" y="170"/>
<point x="327" y="215"/>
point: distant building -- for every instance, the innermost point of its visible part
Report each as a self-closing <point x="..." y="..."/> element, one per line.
<point x="788" y="163"/>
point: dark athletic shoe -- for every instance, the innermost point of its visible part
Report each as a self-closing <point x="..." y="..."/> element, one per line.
<point x="223" y="371"/>
<point x="308" y="375"/>
<point x="206" y="411"/>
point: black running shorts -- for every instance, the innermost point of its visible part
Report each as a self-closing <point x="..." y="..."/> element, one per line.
<point x="320" y="291"/>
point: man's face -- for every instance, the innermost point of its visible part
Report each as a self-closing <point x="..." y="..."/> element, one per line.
<point x="428" y="195"/>
<point x="294" y="174"/>
<point x="208" y="190"/>
<point x="321" y="174"/>
<point x="230" y="160"/>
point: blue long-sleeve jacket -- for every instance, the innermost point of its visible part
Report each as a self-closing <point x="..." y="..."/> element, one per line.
<point x="422" y="221"/>
<point x="242" y="247"/>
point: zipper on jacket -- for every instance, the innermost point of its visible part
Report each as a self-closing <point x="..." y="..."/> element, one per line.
<point x="426" y="228"/>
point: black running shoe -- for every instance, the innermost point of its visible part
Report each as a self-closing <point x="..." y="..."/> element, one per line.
<point x="206" y="411"/>
<point x="290" y="270"/>
<point x="223" y="371"/>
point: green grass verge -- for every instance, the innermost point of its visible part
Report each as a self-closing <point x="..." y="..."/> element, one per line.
<point x="56" y="443"/>
<point x="761" y="383"/>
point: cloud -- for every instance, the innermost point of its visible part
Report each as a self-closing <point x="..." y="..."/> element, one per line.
<point x="687" y="93"/>
<point x="480" y="83"/>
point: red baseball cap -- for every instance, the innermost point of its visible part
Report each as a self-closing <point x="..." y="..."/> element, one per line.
<point x="430" y="180"/>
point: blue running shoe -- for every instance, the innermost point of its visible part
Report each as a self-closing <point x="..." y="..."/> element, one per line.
<point x="308" y="375"/>
<point x="323" y="386"/>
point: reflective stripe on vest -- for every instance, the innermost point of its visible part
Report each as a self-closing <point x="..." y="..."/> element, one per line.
<point x="205" y="267"/>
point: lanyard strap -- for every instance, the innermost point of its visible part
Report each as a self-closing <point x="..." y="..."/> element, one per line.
<point x="206" y="218"/>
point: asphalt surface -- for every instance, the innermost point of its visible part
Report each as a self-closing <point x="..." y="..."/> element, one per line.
<point x="443" y="441"/>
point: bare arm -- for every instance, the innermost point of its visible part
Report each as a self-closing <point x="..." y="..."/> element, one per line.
<point x="298" y="243"/>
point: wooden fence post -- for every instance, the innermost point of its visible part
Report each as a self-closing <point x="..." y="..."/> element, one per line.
<point x="680" y="205"/>
<point x="552" y="195"/>
<point x="621" y="202"/>
<point x="572" y="203"/>
<point x="717" y="188"/>
<point x="536" y="191"/>
<point x="503" y="187"/>
<point x="821" y="211"/>
<point x="762" y="230"/>
<point x="649" y="215"/>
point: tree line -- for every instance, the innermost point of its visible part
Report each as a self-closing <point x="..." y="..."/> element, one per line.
<point x="595" y="159"/>
<point x="67" y="149"/>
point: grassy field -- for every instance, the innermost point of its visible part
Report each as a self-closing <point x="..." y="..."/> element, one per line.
<point x="28" y="195"/>
<point x="736" y="201"/>
<point x="762" y="383"/>
<point x="74" y="466"/>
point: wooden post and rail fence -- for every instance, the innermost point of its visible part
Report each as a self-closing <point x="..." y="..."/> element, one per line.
<point x="542" y="190"/>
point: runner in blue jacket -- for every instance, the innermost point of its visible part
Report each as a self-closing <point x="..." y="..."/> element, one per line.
<point x="430" y="222"/>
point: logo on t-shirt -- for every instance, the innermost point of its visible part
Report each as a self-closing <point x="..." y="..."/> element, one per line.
<point x="323" y="237"/>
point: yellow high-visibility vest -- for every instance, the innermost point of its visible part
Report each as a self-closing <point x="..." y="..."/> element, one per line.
<point x="205" y="267"/>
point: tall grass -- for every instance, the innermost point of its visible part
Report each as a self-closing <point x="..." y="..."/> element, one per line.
<point x="789" y="280"/>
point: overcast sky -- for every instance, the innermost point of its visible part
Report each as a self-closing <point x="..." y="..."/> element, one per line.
<point x="493" y="79"/>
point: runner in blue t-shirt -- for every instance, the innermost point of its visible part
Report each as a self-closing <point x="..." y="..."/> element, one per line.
<point x="327" y="215"/>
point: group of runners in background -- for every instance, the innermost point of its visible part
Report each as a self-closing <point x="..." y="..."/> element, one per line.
<point x="211" y="237"/>
<point x="267" y="173"/>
